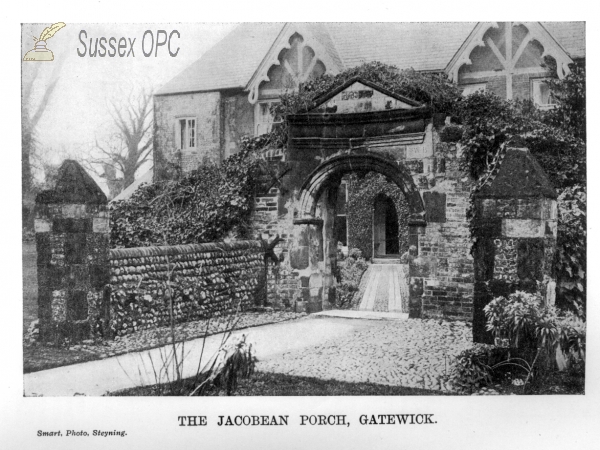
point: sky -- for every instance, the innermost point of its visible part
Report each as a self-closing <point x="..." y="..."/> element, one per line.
<point x="77" y="113"/>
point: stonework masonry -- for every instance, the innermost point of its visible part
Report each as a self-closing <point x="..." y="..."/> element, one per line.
<point x="88" y="291"/>
<point x="72" y="238"/>
<point x="222" y="119"/>
<point x="205" y="108"/>
<point x="515" y="230"/>
<point x="85" y="290"/>
<point x="206" y="280"/>
<point x="441" y="278"/>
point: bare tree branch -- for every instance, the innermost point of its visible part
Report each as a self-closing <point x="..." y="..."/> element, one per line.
<point x="131" y="144"/>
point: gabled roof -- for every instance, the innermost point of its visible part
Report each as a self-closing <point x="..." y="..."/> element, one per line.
<point x="570" y="35"/>
<point x="519" y="176"/>
<point x="426" y="46"/>
<point x="230" y="63"/>
<point x="74" y="185"/>
<point x="129" y="190"/>
<point x="536" y="31"/>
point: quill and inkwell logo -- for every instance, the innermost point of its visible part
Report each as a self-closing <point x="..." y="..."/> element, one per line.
<point x="40" y="52"/>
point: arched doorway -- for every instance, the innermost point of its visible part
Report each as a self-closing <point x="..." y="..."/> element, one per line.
<point x="385" y="227"/>
<point x="329" y="174"/>
<point x="316" y="213"/>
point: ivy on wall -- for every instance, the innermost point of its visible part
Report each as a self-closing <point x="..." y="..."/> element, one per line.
<point x="556" y="137"/>
<point x="362" y="192"/>
<point x="432" y="89"/>
<point x="205" y="205"/>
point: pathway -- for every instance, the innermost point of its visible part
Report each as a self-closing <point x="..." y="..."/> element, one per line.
<point x="95" y="378"/>
<point x="412" y="353"/>
<point x="386" y="288"/>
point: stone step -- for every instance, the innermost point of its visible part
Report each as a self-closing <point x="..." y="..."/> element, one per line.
<point x="371" y="315"/>
<point x="386" y="261"/>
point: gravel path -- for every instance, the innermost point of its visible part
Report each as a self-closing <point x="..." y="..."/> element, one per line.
<point x="412" y="353"/>
<point x="40" y="357"/>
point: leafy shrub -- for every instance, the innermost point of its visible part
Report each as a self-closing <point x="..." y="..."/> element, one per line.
<point x="571" y="254"/>
<point x="203" y="206"/>
<point x="434" y="90"/>
<point x="489" y="123"/>
<point x="234" y="361"/>
<point x="572" y="336"/>
<point x="451" y="133"/>
<point x="523" y="321"/>
<point x="471" y="369"/>
<point x="556" y="138"/>
<point x="525" y="330"/>
<point x="351" y="271"/>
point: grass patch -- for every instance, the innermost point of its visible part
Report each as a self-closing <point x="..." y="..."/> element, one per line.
<point x="276" y="384"/>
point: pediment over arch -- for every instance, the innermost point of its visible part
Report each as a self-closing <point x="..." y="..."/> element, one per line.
<point x="358" y="95"/>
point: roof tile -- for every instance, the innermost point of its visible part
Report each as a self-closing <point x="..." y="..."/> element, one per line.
<point x="423" y="46"/>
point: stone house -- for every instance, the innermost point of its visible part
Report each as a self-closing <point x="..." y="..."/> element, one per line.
<point x="201" y="115"/>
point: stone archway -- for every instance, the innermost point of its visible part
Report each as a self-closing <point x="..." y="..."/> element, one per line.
<point x="332" y="170"/>
<point x="315" y="243"/>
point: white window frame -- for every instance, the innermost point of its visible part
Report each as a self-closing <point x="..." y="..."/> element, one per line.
<point x="264" y="126"/>
<point x="534" y="84"/>
<point x="473" y="87"/>
<point x="190" y="140"/>
<point x="345" y="247"/>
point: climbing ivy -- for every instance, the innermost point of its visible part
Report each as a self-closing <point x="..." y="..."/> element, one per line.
<point x="206" y="205"/>
<point x="432" y="89"/>
<point x="556" y="138"/>
<point x="362" y="193"/>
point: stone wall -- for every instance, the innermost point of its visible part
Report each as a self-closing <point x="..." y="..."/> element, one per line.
<point x="271" y="221"/>
<point x="442" y="275"/>
<point x="222" y="119"/>
<point x="207" y="280"/>
<point x="238" y="121"/>
<point x="88" y="291"/>
<point x="206" y="108"/>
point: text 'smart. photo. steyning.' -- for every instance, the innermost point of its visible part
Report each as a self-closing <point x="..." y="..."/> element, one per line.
<point x="328" y="209"/>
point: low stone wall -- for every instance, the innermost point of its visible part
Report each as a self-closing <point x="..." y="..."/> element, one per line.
<point x="206" y="279"/>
